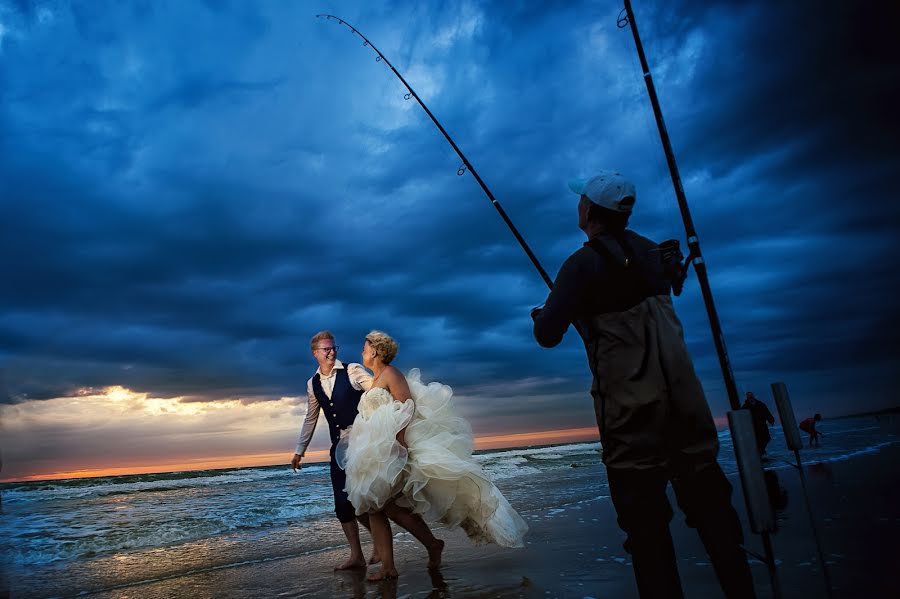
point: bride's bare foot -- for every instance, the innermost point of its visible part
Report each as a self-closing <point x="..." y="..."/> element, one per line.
<point x="434" y="554"/>
<point x="382" y="575"/>
<point x="351" y="564"/>
<point x="375" y="559"/>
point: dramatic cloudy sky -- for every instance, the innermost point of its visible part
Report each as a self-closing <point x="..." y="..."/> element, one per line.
<point x="190" y="190"/>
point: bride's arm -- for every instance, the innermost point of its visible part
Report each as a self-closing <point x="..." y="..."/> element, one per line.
<point x="359" y="377"/>
<point x="399" y="389"/>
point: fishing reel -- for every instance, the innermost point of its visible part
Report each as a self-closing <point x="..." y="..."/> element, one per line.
<point x="675" y="266"/>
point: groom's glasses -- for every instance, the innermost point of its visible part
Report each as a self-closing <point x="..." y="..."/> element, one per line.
<point x="328" y="350"/>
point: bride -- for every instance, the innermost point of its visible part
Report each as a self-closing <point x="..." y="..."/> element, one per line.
<point x="407" y="451"/>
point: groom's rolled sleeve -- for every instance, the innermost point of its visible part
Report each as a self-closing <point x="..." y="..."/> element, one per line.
<point x="309" y="423"/>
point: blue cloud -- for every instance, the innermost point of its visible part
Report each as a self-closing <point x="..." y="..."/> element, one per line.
<point x="192" y="191"/>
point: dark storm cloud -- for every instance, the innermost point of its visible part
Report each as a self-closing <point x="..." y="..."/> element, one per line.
<point x="196" y="91"/>
<point x="191" y="192"/>
<point x="810" y="123"/>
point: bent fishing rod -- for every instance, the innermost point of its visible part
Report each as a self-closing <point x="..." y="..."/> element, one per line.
<point x="466" y="165"/>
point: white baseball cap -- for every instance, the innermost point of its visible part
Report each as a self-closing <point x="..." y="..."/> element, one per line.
<point x="608" y="189"/>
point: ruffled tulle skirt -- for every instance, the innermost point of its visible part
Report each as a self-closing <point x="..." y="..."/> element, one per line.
<point x="435" y="475"/>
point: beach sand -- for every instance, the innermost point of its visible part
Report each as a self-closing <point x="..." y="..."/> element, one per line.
<point x="575" y="550"/>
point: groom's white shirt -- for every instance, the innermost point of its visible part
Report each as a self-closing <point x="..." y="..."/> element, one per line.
<point x="357" y="375"/>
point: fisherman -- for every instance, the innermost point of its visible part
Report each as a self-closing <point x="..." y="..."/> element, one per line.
<point x="762" y="420"/>
<point x="655" y="425"/>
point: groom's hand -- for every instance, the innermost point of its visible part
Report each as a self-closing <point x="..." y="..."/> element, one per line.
<point x="295" y="461"/>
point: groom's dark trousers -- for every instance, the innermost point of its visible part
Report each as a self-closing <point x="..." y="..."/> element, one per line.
<point x="340" y="412"/>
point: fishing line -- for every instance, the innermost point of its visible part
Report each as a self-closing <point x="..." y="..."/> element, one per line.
<point x="657" y="166"/>
<point x="695" y="255"/>
<point x="466" y="165"/>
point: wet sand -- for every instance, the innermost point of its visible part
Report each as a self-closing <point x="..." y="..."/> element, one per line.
<point x="576" y="550"/>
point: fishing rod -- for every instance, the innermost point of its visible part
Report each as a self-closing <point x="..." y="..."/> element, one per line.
<point x="466" y="165"/>
<point x="762" y="520"/>
<point x="695" y="256"/>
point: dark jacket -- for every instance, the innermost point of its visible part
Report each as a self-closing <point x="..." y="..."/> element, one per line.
<point x="648" y="401"/>
<point x="762" y="418"/>
<point x="595" y="280"/>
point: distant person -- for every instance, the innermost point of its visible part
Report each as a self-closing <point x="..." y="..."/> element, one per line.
<point x="655" y="424"/>
<point x="762" y="420"/>
<point x="809" y="426"/>
<point x="337" y="389"/>
<point x="409" y="451"/>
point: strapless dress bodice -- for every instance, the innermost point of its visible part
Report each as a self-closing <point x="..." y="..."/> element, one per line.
<point x="373" y="399"/>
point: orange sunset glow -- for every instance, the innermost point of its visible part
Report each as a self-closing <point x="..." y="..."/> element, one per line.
<point x="114" y="431"/>
<point x="500" y="441"/>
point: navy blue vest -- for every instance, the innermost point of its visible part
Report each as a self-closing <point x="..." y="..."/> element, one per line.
<point x="340" y="410"/>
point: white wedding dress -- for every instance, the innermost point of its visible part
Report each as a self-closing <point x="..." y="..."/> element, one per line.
<point x="436" y="476"/>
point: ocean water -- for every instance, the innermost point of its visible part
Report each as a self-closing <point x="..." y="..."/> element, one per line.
<point x="62" y="538"/>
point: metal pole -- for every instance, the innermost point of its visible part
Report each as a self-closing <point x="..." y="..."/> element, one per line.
<point x="690" y="231"/>
<point x="795" y="444"/>
<point x="812" y="525"/>
<point x="770" y="563"/>
<point x="756" y="497"/>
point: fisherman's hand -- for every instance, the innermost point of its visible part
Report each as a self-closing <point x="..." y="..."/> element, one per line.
<point x="535" y="311"/>
<point x="295" y="462"/>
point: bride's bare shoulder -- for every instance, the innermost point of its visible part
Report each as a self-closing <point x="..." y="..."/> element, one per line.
<point x="397" y="384"/>
<point x="393" y="373"/>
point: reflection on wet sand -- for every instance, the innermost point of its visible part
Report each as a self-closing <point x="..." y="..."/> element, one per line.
<point x="439" y="587"/>
<point x="353" y="585"/>
<point x="821" y="470"/>
<point x="778" y="495"/>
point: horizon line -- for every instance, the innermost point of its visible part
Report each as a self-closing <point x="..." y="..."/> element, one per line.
<point x="489" y="441"/>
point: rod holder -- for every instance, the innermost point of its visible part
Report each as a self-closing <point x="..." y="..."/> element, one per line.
<point x="786" y="414"/>
<point x="746" y="451"/>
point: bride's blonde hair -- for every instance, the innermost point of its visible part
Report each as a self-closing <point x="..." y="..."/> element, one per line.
<point x="384" y="345"/>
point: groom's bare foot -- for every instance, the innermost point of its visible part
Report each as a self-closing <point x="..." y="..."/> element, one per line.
<point x="375" y="559"/>
<point x="383" y="575"/>
<point x="434" y="554"/>
<point x="352" y="564"/>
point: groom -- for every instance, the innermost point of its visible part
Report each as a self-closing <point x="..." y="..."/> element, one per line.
<point x="336" y="389"/>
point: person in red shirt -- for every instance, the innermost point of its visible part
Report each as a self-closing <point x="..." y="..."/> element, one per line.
<point x="809" y="426"/>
